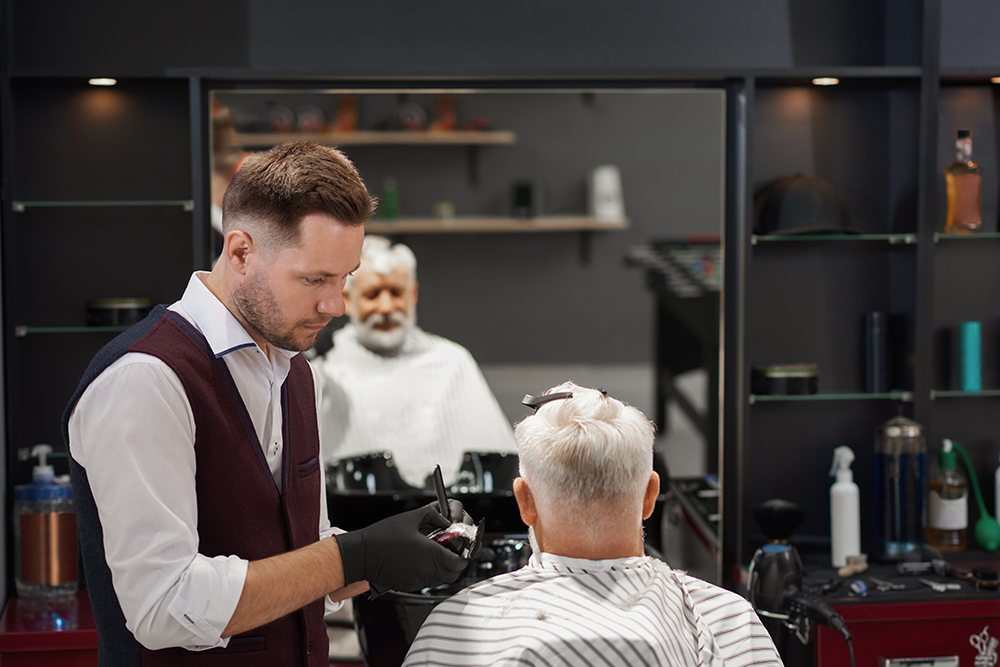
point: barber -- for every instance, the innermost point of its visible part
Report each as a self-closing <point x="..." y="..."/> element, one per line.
<point x="194" y="447"/>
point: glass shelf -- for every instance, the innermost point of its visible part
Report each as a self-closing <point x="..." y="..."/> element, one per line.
<point x="892" y="239"/>
<point x="186" y="204"/>
<point x="955" y="393"/>
<point x="22" y="331"/>
<point x="982" y="236"/>
<point x="905" y="396"/>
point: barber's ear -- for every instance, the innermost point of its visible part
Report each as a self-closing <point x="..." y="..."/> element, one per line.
<point x="649" y="499"/>
<point x="238" y="250"/>
<point x="416" y="290"/>
<point x="525" y="502"/>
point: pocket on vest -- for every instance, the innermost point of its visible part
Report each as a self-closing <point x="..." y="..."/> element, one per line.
<point x="244" y="644"/>
<point x="309" y="467"/>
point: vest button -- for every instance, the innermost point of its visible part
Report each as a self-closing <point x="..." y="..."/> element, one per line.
<point x="309" y="648"/>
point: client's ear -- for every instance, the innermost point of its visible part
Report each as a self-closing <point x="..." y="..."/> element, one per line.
<point x="525" y="502"/>
<point x="649" y="498"/>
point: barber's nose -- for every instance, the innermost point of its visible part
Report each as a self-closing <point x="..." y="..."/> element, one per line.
<point x="332" y="303"/>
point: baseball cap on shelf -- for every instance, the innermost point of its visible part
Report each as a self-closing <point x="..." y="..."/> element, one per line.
<point x="801" y="204"/>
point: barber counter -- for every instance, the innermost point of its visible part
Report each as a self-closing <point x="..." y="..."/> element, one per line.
<point x="899" y="620"/>
<point x="57" y="632"/>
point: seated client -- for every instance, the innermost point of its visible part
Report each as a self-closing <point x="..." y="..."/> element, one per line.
<point x="588" y="595"/>
<point x="390" y="386"/>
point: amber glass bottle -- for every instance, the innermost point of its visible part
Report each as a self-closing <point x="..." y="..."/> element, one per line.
<point x="963" y="180"/>
<point x="948" y="504"/>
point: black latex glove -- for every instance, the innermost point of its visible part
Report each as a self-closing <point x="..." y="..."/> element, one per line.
<point x="395" y="553"/>
<point x="456" y="511"/>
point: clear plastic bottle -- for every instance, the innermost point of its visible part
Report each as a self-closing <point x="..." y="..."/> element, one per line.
<point x="963" y="182"/>
<point x="45" y="534"/>
<point x="948" y="503"/>
<point x="900" y="487"/>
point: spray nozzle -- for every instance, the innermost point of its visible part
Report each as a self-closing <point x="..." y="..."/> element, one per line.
<point x="42" y="472"/>
<point x="843" y="457"/>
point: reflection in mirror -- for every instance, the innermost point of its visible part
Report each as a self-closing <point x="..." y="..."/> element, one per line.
<point x="498" y="192"/>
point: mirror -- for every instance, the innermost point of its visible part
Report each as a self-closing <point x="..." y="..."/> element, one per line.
<point x="493" y="189"/>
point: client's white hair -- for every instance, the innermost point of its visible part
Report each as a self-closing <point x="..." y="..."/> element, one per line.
<point x="589" y="451"/>
<point x="380" y="256"/>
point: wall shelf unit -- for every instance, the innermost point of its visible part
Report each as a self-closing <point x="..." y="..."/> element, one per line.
<point x="882" y="138"/>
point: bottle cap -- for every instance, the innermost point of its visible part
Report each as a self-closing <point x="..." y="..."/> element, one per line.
<point x="964" y="134"/>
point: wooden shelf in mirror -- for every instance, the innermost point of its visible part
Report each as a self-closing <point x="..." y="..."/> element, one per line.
<point x="361" y="138"/>
<point x="551" y="223"/>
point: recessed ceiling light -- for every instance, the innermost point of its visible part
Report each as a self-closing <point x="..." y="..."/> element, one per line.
<point x="825" y="81"/>
<point x="102" y="81"/>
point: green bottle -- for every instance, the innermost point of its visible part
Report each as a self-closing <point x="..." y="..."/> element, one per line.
<point x="389" y="204"/>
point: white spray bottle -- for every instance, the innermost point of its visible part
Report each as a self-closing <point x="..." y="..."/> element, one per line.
<point x="845" y="509"/>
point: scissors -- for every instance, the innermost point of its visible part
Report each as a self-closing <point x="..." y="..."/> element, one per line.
<point x="882" y="585"/>
<point x="441" y="495"/>
<point x="941" y="587"/>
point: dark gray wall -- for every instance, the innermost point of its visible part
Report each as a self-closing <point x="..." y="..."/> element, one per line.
<point x="453" y="37"/>
<point x="969" y="34"/>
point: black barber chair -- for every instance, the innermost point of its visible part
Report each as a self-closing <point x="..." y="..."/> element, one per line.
<point x="388" y="624"/>
<point x="365" y="489"/>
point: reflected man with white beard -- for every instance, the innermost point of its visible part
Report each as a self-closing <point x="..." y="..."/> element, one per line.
<point x="391" y="387"/>
<point x="589" y="595"/>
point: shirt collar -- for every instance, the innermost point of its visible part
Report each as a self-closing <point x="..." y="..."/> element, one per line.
<point x="570" y="565"/>
<point x="223" y="332"/>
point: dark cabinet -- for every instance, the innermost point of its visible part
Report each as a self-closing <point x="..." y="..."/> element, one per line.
<point x="97" y="205"/>
<point x="882" y="137"/>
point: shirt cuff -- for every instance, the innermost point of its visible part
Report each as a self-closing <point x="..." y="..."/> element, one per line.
<point x="331" y="605"/>
<point x="203" y="613"/>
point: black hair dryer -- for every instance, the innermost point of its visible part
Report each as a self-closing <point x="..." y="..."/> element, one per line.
<point x="775" y="583"/>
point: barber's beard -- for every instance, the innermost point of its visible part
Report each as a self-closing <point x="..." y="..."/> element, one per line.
<point x="385" y="342"/>
<point x="259" y="307"/>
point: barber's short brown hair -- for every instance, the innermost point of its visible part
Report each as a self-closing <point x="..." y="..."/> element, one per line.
<point x="274" y="190"/>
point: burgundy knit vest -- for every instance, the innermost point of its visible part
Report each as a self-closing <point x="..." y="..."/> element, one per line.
<point x="240" y="511"/>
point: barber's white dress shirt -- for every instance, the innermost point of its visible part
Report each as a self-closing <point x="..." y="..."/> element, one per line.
<point x="427" y="405"/>
<point x="566" y="611"/>
<point x="133" y="431"/>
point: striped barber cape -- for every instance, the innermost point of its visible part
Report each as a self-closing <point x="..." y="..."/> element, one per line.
<point x="566" y="611"/>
